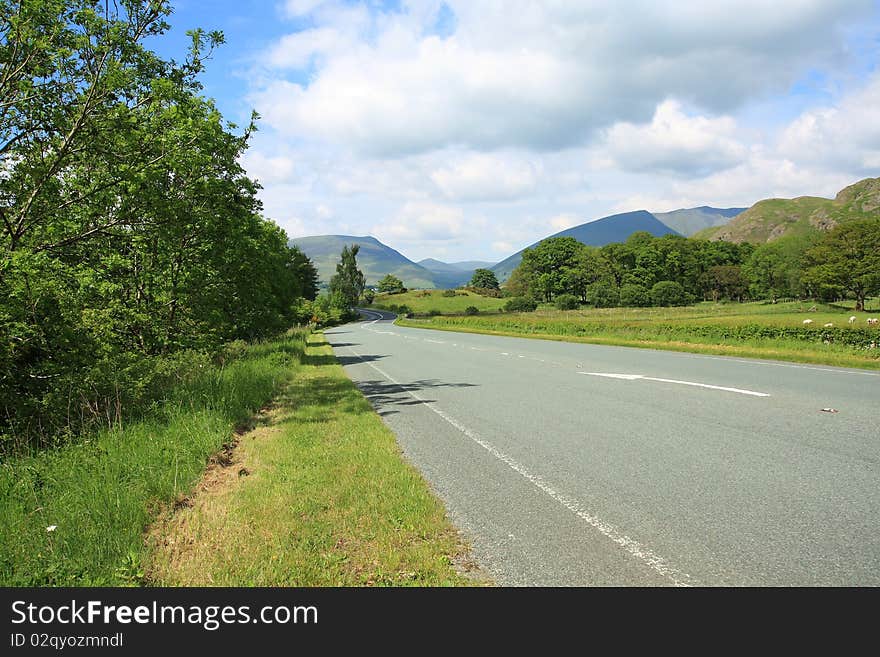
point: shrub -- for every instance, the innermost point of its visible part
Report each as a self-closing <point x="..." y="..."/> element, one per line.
<point x="602" y="295"/>
<point x="567" y="302"/>
<point x="633" y="295"/>
<point x="434" y="312"/>
<point x="448" y="293"/>
<point x="471" y="310"/>
<point x="521" y="305"/>
<point x="668" y="293"/>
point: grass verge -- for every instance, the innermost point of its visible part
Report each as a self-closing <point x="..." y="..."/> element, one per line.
<point x="75" y="516"/>
<point x="744" y="330"/>
<point x="317" y="494"/>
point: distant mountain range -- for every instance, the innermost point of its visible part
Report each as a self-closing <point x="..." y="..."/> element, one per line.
<point x="615" y="228"/>
<point x="773" y="218"/>
<point x="764" y="221"/>
<point x="374" y="259"/>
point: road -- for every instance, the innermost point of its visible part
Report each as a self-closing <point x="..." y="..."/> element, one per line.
<point x="585" y="465"/>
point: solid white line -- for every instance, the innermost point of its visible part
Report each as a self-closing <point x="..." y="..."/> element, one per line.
<point x="636" y="549"/>
<point x="639" y="377"/>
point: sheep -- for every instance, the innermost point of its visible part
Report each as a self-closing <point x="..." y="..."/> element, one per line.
<point x="852" y="320"/>
<point x="828" y="325"/>
<point x="808" y="321"/>
<point x="873" y="321"/>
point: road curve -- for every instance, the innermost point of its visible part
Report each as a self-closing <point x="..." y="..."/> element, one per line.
<point x="574" y="464"/>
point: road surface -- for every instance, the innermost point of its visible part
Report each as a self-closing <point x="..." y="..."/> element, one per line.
<point x="574" y="464"/>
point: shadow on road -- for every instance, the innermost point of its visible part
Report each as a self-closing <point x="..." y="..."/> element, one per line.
<point x="384" y="395"/>
<point x="330" y="359"/>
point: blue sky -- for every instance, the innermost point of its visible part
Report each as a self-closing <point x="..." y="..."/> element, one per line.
<point x="467" y="130"/>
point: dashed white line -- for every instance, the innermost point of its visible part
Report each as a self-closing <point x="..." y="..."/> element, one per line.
<point x="633" y="547"/>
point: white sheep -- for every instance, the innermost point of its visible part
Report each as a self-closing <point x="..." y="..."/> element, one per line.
<point x="873" y="321"/>
<point x="808" y="321"/>
<point x="828" y="325"/>
<point x="852" y="320"/>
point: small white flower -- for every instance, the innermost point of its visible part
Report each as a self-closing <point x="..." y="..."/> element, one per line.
<point x="51" y="528"/>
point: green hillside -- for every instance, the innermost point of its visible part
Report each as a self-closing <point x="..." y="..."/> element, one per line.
<point x="374" y="259"/>
<point x="770" y="219"/>
<point x="689" y="221"/>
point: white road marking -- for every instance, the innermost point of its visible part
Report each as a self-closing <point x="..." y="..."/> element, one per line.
<point x="636" y="549"/>
<point x="639" y="377"/>
<point x="434" y="341"/>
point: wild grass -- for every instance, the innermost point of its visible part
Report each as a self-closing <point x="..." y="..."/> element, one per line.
<point x="424" y="301"/>
<point x="75" y="515"/>
<point x="316" y="495"/>
<point x="754" y="330"/>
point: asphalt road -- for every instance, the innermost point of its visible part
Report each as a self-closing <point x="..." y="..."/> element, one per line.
<point x="705" y="471"/>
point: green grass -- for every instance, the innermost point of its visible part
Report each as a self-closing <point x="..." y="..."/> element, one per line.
<point x="756" y="330"/>
<point x="424" y="301"/>
<point x="327" y="501"/>
<point x="100" y="494"/>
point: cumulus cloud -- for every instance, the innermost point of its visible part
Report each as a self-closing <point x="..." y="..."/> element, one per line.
<point x="675" y="143"/>
<point x="419" y="221"/>
<point x="846" y="136"/>
<point x="481" y="177"/>
<point x="540" y="75"/>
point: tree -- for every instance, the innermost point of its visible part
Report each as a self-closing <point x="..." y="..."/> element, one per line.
<point x="668" y="293"/>
<point x="305" y="272"/>
<point x="484" y="279"/>
<point x="633" y="295"/>
<point x="348" y="283"/>
<point x="848" y="260"/>
<point x="390" y="284"/>
<point x="549" y="265"/>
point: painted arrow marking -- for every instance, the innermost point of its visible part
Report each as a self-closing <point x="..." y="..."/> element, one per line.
<point x="640" y="377"/>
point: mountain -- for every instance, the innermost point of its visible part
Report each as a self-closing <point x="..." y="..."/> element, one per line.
<point x="616" y="228"/>
<point x="772" y="218"/>
<point x="374" y="259"/>
<point x="453" y="274"/>
<point x="689" y="221"/>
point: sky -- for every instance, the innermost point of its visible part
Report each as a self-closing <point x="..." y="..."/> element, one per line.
<point x="468" y="129"/>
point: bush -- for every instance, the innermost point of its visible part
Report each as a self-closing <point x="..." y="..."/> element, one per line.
<point x="448" y="293"/>
<point x="668" y="293"/>
<point x="521" y="305"/>
<point x="602" y="295"/>
<point x="434" y="312"/>
<point x="471" y="310"/>
<point x="495" y="293"/>
<point x="567" y="302"/>
<point x="633" y="295"/>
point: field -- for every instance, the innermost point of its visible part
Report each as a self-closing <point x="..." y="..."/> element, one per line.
<point x="757" y="330"/>
<point x="425" y="301"/>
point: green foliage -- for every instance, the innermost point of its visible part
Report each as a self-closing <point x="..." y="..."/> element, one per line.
<point x="567" y="302"/>
<point x="633" y="295"/>
<point x="471" y="310"/>
<point x="848" y="260"/>
<point x="128" y="228"/>
<point x="484" y="278"/>
<point x="521" y="305"/>
<point x="100" y="493"/>
<point x="448" y="293"/>
<point x="348" y="284"/>
<point x="369" y="296"/>
<point x="603" y="295"/>
<point x="391" y="284"/>
<point x="668" y="293"/>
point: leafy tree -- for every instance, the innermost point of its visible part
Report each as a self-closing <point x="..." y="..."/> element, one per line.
<point x="471" y="310"/>
<point x="347" y="285"/>
<point x="391" y="284"/>
<point x="567" y="302"/>
<point x="633" y="295"/>
<point x="848" y="260"/>
<point x="548" y="265"/>
<point x="603" y="295"/>
<point x="484" y="279"/>
<point x="725" y="281"/>
<point x="668" y="293"/>
<point x="305" y="272"/>
<point x="520" y="305"/>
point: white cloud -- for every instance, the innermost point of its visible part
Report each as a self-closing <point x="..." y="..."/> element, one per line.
<point x="846" y="136"/>
<point x="423" y="222"/>
<point x="486" y="178"/>
<point x="268" y="169"/>
<point x="675" y="143"/>
<point x="541" y="75"/>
